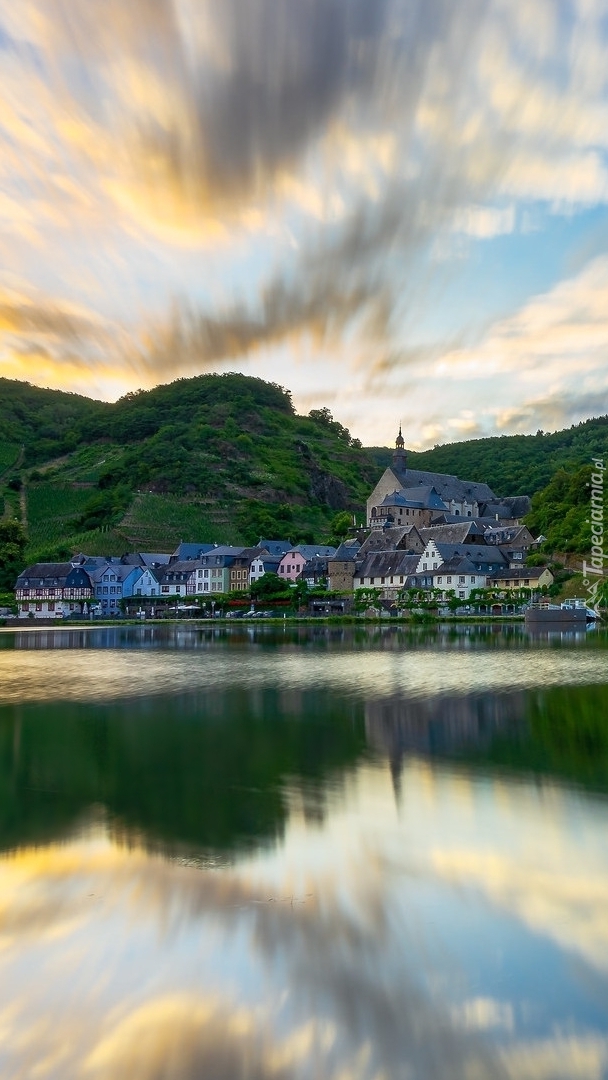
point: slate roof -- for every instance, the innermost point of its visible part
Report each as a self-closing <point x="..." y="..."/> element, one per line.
<point x="121" y="570"/>
<point x="389" y="539"/>
<point x="447" y="486"/>
<point x="481" y="555"/>
<point x="308" y="551"/>
<point x="270" y="563"/>
<point x="316" y="567"/>
<point x="347" y="551"/>
<point x="519" y="572"/>
<point x="191" y="551"/>
<point x="387" y="564"/>
<point x="516" y="507"/>
<point x="461" y="531"/>
<point x="421" y="497"/>
<point x="455" y="566"/>
<point x="275" y="547"/>
<point x="146" y="558"/>
<point x="45" y="575"/>
<point x="177" y="571"/>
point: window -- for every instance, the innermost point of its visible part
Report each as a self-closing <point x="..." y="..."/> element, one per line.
<point x="461" y="579"/>
<point x="382" y="580"/>
<point x="38" y="607"/>
<point x="449" y="580"/>
<point x="401" y="580"/>
<point x="371" y="580"/>
<point x="461" y="594"/>
<point x="440" y="580"/>
<point x="138" y="592"/>
<point x="51" y="605"/>
<point x="165" y="588"/>
<point x="25" y="607"/>
<point x="434" y="566"/>
<point x="391" y="581"/>
<point x="105" y="590"/>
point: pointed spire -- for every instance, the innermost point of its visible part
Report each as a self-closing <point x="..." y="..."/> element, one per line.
<point x="400" y="455"/>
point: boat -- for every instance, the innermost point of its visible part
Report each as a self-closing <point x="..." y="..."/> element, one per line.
<point x="571" y="613"/>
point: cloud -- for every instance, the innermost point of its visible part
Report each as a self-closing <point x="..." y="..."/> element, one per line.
<point x="323" y="162"/>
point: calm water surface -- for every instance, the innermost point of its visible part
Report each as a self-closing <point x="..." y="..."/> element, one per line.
<point x="319" y="853"/>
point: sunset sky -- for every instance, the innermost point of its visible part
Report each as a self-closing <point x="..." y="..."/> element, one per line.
<point x="395" y="208"/>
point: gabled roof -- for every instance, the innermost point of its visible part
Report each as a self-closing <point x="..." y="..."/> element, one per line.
<point x="520" y="572"/>
<point x="455" y="566"/>
<point x="448" y="486"/>
<point x="308" y="551"/>
<point x="225" y="549"/>
<point x="270" y="562"/>
<point x="41" y="575"/>
<point x="515" y="507"/>
<point x="191" y="551"/>
<point x="146" y="558"/>
<point x="275" y="547"/>
<point x="347" y="551"/>
<point x="458" y="532"/>
<point x="121" y="570"/>
<point x="387" y="563"/>
<point x="479" y="554"/>
<point x="390" y="539"/>
<point x="316" y="565"/>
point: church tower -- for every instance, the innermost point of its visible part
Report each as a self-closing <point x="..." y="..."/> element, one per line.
<point x="400" y="455"/>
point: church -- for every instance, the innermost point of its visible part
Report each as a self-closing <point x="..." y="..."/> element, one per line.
<point x="405" y="496"/>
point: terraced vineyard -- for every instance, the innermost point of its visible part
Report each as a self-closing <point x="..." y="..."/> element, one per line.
<point x="52" y="513"/>
<point x="161" y="522"/>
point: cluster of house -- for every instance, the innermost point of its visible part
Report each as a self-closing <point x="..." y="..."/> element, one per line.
<point x="425" y="531"/>
<point x="99" y="583"/>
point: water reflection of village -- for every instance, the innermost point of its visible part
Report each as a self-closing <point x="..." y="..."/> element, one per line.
<point x="386" y="637"/>
<point x="395" y="726"/>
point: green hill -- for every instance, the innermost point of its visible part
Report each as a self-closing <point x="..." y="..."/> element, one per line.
<point x="226" y="458"/>
<point x="217" y="457"/>
<point x="512" y="464"/>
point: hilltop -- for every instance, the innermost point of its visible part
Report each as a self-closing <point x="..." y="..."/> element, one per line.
<point x="216" y="457"/>
<point x="226" y="458"/>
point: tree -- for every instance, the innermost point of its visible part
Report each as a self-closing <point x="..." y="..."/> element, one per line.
<point x="341" y="524"/>
<point x="12" y="550"/>
<point x="268" y="587"/>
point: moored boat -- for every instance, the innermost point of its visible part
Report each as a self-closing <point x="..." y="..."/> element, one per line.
<point x="574" y="612"/>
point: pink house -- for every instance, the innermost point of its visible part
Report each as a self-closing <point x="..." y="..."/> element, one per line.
<point x="294" y="560"/>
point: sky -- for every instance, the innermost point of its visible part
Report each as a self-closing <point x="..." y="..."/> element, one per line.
<point x="397" y="210"/>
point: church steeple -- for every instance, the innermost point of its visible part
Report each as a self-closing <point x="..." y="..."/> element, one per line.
<point x="400" y="454"/>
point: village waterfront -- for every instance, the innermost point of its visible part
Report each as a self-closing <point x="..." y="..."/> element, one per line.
<point x="303" y="851"/>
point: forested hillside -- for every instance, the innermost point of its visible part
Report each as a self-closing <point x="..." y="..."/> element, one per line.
<point x="218" y="457"/>
<point x="226" y="458"/>
<point x="513" y="464"/>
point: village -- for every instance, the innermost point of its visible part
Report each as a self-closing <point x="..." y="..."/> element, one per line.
<point x="429" y="538"/>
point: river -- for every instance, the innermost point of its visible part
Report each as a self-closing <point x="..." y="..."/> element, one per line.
<point x="373" y="853"/>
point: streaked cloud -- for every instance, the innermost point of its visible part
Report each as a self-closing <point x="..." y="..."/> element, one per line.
<point x="224" y="185"/>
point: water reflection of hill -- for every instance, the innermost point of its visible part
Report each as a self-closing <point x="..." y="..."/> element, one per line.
<point x="202" y="772"/>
